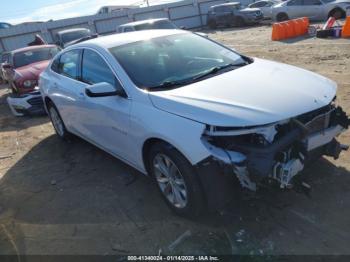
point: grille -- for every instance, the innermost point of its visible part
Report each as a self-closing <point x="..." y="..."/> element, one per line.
<point x="35" y="101"/>
<point x="319" y="123"/>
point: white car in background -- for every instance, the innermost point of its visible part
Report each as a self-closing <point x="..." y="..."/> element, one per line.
<point x="265" y="6"/>
<point x="313" y="9"/>
<point x="151" y="24"/>
<point x="187" y="111"/>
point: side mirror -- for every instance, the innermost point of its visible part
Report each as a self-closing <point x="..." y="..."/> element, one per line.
<point x="103" y="89"/>
<point x="6" y="66"/>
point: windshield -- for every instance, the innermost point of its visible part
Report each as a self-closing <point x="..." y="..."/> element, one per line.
<point x="33" y="56"/>
<point x="156" y="25"/>
<point x="178" y="57"/>
<point x="69" y="37"/>
<point x="4" y="25"/>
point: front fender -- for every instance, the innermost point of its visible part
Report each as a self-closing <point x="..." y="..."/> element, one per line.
<point x="184" y="134"/>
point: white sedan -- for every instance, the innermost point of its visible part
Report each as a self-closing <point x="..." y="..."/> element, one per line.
<point x="265" y="6"/>
<point x="313" y="9"/>
<point x="191" y="113"/>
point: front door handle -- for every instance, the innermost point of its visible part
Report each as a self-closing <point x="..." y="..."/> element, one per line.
<point x="82" y="95"/>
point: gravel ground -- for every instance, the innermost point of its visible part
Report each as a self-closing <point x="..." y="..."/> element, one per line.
<point x="72" y="198"/>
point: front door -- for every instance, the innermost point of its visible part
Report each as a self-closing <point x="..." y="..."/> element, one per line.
<point x="104" y="120"/>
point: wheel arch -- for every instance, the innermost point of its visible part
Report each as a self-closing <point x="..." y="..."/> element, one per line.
<point x="335" y="9"/>
<point x="47" y="100"/>
<point x="279" y="14"/>
<point x="147" y="145"/>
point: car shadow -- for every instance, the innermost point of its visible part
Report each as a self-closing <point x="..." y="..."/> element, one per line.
<point x="234" y="28"/>
<point x="72" y="198"/>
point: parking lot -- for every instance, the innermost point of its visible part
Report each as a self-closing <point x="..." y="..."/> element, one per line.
<point x="72" y="198"/>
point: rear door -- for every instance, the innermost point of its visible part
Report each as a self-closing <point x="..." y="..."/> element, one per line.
<point x="266" y="8"/>
<point x="222" y="14"/>
<point x="295" y="9"/>
<point x="66" y="90"/>
<point x="313" y="9"/>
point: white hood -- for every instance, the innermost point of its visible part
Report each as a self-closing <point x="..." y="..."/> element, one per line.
<point x="260" y="93"/>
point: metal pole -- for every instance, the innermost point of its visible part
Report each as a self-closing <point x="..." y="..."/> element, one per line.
<point x="147" y="2"/>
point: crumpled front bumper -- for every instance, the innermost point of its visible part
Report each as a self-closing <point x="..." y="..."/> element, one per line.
<point x="285" y="157"/>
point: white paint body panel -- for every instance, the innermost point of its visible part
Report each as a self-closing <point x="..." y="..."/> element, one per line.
<point x="260" y="93"/>
<point x="257" y="94"/>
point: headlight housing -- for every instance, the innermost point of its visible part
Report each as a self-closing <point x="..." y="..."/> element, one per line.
<point x="29" y="83"/>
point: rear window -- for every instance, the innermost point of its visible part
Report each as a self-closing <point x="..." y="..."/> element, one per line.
<point x="4" y="25"/>
<point x="71" y="36"/>
<point x="156" y="25"/>
<point x="33" y="56"/>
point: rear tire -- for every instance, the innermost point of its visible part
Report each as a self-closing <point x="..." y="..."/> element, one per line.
<point x="337" y="13"/>
<point x="282" y="17"/>
<point x="177" y="180"/>
<point x="57" y="122"/>
<point x="239" y="21"/>
<point x="212" y="24"/>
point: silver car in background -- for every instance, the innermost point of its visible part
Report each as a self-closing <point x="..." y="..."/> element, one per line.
<point x="265" y="6"/>
<point x="313" y="9"/>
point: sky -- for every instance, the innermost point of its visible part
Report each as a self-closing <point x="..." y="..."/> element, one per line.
<point x="19" y="11"/>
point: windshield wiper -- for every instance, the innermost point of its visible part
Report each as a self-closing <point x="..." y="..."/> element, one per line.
<point x="168" y="85"/>
<point x="217" y="69"/>
<point x="172" y="84"/>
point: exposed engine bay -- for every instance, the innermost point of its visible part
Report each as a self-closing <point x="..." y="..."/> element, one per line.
<point x="278" y="151"/>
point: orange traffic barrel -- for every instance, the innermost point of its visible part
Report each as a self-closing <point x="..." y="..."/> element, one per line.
<point x="298" y="27"/>
<point x="278" y="32"/>
<point x="306" y="23"/>
<point x="345" y="32"/>
<point x="289" y="28"/>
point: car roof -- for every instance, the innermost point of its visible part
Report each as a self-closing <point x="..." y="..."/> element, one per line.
<point x="226" y="4"/>
<point x="72" y="30"/>
<point x="148" y="21"/>
<point x="28" y="48"/>
<point x="114" y="40"/>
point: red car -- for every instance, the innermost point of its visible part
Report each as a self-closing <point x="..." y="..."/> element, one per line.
<point x="25" y="65"/>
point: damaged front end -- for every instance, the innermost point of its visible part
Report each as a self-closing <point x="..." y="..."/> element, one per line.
<point x="278" y="151"/>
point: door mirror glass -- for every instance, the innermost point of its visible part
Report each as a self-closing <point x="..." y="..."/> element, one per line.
<point x="101" y="89"/>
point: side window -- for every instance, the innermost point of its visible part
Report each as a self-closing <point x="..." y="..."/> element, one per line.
<point x="69" y="64"/>
<point x="95" y="70"/>
<point x="312" y="2"/>
<point x="259" y="4"/>
<point x="219" y="9"/>
<point x="128" y="29"/>
<point x="295" y="3"/>
<point x="5" y="58"/>
<point x="55" y="64"/>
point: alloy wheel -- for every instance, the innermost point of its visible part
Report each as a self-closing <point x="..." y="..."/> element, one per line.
<point x="170" y="180"/>
<point x="57" y="122"/>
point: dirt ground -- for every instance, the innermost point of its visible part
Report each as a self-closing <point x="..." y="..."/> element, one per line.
<point x="72" y="198"/>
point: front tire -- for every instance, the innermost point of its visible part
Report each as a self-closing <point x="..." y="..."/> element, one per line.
<point x="57" y="121"/>
<point x="337" y="13"/>
<point x="282" y="17"/>
<point x="176" y="180"/>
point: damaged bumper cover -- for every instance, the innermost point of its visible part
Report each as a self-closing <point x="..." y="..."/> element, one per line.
<point x="26" y="104"/>
<point x="278" y="151"/>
